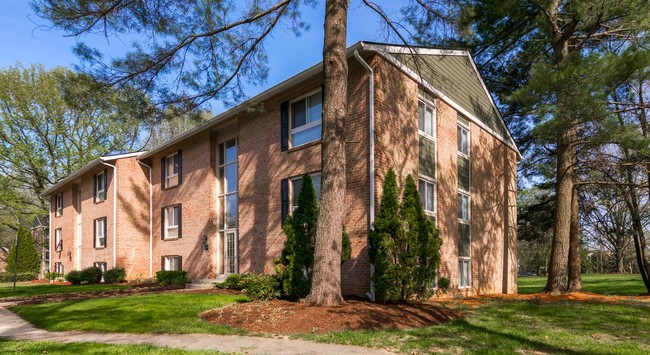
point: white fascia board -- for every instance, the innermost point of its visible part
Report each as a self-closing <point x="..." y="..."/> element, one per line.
<point x="415" y="76"/>
<point x="413" y="50"/>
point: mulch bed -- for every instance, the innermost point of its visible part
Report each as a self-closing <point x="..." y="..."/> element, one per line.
<point x="285" y="317"/>
<point x="136" y="289"/>
<point x="580" y="296"/>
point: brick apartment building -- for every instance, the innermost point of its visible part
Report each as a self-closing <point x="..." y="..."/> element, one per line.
<point x="212" y="200"/>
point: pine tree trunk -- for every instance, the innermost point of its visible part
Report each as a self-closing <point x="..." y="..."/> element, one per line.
<point x="326" y="279"/>
<point x="575" y="261"/>
<point x="639" y="236"/>
<point x="557" y="270"/>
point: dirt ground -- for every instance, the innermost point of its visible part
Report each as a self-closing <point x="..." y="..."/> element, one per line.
<point x="284" y="317"/>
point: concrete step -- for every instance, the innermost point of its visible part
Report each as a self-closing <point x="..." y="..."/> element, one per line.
<point x="203" y="284"/>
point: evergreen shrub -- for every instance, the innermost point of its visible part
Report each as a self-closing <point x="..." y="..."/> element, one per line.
<point x="74" y="277"/>
<point x="91" y="275"/>
<point x="115" y="275"/>
<point x="178" y="277"/>
<point x="29" y="261"/>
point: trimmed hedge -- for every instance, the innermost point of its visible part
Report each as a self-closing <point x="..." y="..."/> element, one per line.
<point x="114" y="275"/>
<point x="178" y="277"/>
<point x="91" y="275"/>
<point x="74" y="277"/>
<point x="261" y="287"/>
<point x="232" y="282"/>
<point x="21" y="276"/>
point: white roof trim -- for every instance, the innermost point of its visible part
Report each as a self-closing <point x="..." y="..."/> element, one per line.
<point x="509" y="141"/>
<point x="412" y="50"/>
<point x="86" y="168"/>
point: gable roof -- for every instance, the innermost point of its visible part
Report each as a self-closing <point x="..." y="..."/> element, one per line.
<point x="451" y="75"/>
<point x="86" y="168"/>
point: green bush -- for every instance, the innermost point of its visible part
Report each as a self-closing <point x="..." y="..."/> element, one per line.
<point x="232" y="282"/>
<point x="29" y="261"/>
<point x="74" y="277"/>
<point x="114" y="275"/>
<point x="51" y="275"/>
<point x="346" y="246"/>
<point x="91" y="275"/>
<point x="178" y="277"/>
<point x="443" y="284"/>
<point x="404" y="245"/>
<point x="21" y="276"/>
<point x="261" y="287"/>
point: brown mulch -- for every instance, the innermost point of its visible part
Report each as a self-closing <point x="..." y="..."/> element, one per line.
<point x="285" y="317"/>
<point x="580" y="296"/>
<point x="137" y="289"/>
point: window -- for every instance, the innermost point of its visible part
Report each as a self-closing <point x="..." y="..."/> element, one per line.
<point x="463" y="207"/>
<point x="58" y="268"/>
<point x="463" y="141"/>
<point x="172" y="222"/>
<point x="427" y="195"/>
<point x="99" y="184"/>
<point x="296" y="187"/>
<point x="427" y="119"/>
<point x="464" y="274"/>
<point x="58" y="204"/>
<point x="306" y="118"/>
<point x="228" y="179"/>
<point x="100" y="233"/>
<point x="58" y="240"/>
<point x="172" y="263"/>
<point x="172" y="170"/>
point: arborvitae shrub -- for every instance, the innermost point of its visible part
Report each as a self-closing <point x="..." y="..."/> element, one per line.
<point x="23" y="276"/>
<point x="29" y="261"/>
<point x="404" y="245"/>
<point x="294" y="266"/>
<point x="115" y="275"/>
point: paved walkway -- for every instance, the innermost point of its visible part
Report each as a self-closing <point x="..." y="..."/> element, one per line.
<point x="15" y="328"/>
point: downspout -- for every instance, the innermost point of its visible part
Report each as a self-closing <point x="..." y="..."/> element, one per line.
<point x="150" y="221"/>
<point x="114" y="210"/>
<point x="371" y="148"/>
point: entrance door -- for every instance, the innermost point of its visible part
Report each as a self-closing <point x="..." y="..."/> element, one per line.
<point x="230" y="253"/>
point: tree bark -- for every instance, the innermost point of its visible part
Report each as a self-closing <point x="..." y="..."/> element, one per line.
<point x="557" y="270"/>
<point x="639" y="236"/>
<point x="326" y="279"/>
<point x="575" y="261"/>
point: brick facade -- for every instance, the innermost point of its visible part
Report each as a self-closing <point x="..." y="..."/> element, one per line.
<point x="262" y="165"/>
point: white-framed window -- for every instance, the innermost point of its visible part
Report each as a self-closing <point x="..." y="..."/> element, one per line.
<point x="58" y="204"/>
<point x="172" y="222"/>
<point x="229" y="181"/>
<point x="305" y="118"/>
<point x="296" y="187"/>
<point x="172" y="263"/>
<point x="463" y="207"/>
<point x="100" y="233"/>
<point x="463" y="141"/>
<point x="464" y="273"/>
<point x="427" y="119"/>
<point x="58" y="239"/>
<point x="427" y="195"/>
<point x="58" y="268"/>
<point x="100" y="186"/>
<point x="172" y="169"/>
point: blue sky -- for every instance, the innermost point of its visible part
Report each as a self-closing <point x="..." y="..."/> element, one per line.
<point x="22" y="40"/>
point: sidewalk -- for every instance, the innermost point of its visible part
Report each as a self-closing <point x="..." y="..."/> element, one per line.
<point x="15" y="328"/>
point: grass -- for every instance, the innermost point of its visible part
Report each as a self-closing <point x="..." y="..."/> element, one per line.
<point x="46" y="347"/>
<point x="510" y="326"/>
<point x="156" y="313"/>
<point x="29" y="289"/>
<point x="605" y="284"/>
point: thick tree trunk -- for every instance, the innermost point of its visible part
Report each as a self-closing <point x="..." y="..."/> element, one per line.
<point x="575" y="261"/>
<point x="557" y="270"/>
<point x="326" y="279"/>
<point x="639" y="235"/>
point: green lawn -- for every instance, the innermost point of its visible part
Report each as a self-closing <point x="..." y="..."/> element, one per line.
<point x="46" y="347"/>
<point x="156" y="313"/>
<point x="606" y="284"/>
<point x="29" y="289"/>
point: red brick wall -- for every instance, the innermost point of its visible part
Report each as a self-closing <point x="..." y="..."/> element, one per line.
<point x="67" y="223"/>
<point x="262" y="166"/>
<point x="196" y="193"/>
<point x="133" y="218"/>
<point x="89" y="212"/>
